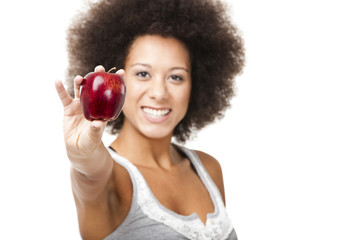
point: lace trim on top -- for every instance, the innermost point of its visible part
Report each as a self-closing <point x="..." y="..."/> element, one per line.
<point x="218" y="224"/>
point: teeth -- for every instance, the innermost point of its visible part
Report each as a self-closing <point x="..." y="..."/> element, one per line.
<point x="156" y="113"/>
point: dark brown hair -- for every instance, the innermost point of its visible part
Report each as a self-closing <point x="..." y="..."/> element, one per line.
<point x="103" y="33"/>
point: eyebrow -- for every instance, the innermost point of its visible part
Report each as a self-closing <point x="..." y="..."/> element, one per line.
<point x="142" y="64"/>
<point x="181" y="68"/>
<point x="149" y="66"/>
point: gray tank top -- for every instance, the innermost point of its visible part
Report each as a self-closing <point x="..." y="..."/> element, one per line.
<point x="149" y="219"/>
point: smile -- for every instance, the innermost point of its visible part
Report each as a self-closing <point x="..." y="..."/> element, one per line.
<point x="156" y="113"/>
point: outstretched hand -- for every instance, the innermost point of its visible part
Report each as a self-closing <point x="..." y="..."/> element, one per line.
<point x="82" y="137"/>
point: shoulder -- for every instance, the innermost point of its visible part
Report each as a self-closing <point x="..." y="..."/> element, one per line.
<point x="210" y="163"/>
<point x="213" y="167"/>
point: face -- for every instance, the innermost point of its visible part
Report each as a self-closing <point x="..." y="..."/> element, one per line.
<point x="158" y="85"/>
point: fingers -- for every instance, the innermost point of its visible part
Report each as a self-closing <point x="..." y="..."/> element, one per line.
<point x="77" y="83"/>
<point x="63" y="94"/>
<point x="121" y="72"/>
<point x="99" y="68"/>
<point x="78" y="79"/>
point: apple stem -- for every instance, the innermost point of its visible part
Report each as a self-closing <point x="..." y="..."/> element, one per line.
<point x="114" y="68"/>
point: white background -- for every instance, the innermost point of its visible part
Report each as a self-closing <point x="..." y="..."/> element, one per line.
<point x="289" y="146"/>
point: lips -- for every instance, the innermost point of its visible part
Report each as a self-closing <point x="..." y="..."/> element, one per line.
<point x="156" y="113"/>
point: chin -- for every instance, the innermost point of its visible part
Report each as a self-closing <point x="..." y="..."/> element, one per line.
<point x="156" y="132"/>
<point x="157" y="135"/>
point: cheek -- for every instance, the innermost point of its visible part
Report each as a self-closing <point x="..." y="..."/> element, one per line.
<point x="184" y="98"/>
<point x="131" y="96"/>
<point x="187" y="93"/>
<point x="133" y="90"/>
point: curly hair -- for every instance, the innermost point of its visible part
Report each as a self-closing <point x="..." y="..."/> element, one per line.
<point x="103" y="34"/>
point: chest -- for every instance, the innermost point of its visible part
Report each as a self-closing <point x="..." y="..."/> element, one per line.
<point x="181" y="191"/>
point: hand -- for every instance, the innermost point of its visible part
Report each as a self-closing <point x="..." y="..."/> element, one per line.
<point x="91" y="162"/>
<point x="82" y="137"/>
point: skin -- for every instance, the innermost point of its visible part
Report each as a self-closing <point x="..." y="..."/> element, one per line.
<point x="158" y="76"/>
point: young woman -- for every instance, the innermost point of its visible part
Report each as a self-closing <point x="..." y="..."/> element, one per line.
<point x="179" y="58"/>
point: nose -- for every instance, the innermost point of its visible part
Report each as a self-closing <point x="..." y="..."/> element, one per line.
<point x="158" y="89"/>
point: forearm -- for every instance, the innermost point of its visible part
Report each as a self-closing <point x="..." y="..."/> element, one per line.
<point x="95" y="165"/>
<point x="90" y="176"/>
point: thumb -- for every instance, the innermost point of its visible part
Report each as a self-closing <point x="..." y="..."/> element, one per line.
<point x="97" y="128"/>
<point x="91" y="139"/>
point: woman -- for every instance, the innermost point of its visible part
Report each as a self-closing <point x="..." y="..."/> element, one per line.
<point x="179" y="59"/>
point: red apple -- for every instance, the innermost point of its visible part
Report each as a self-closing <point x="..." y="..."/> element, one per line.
<point x="102" y="96"/>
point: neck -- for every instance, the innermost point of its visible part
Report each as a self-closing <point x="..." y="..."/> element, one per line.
<point x="145" y="151"/>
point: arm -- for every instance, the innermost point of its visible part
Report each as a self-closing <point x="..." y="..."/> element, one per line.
<point x="91" y="164"/>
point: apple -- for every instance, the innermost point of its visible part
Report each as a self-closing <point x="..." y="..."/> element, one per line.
<point x="102" y="96"/>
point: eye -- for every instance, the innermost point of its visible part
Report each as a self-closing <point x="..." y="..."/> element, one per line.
<point x="143" y="74"/>
<point x="176" y="78"/>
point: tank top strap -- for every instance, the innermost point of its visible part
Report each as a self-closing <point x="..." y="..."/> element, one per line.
<point x="204" y="176"/>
